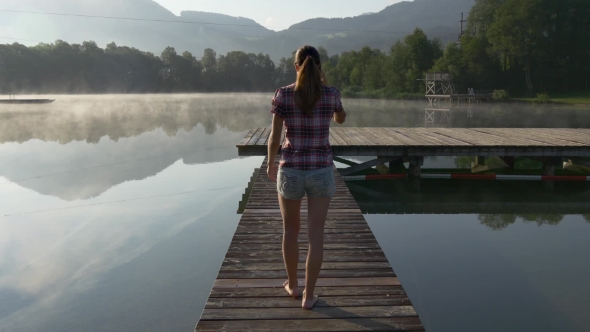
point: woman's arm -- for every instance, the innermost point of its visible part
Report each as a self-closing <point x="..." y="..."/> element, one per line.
<point x="274" y="142"/>
<point x="340" y="117"/>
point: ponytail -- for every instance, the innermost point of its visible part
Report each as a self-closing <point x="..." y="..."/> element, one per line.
<point x="308" y="88"/>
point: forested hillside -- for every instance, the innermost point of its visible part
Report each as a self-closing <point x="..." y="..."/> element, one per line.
<point x="526" y="47"/>
<point x="438" y="18"/>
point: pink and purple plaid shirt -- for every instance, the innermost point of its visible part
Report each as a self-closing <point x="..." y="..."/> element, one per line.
<point x="307" y="138"/>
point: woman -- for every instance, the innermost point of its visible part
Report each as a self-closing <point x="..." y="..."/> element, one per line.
<point x="306" y="109"/>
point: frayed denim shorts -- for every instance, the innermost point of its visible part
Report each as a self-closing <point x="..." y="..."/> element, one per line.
<point x="294" y="184"/>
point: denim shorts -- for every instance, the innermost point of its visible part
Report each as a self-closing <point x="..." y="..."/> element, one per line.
<point x="294" y="184"/>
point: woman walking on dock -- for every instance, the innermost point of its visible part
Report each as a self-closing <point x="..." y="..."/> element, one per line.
<point x="306" y="109"/>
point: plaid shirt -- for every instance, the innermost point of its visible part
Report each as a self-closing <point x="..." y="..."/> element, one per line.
<point x="307" y="138"/>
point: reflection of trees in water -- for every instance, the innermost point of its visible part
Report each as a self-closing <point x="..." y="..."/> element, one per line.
<point x="499" y="222"/>
<point x="91" y="118"/>
<point x="544" y="219"/>
<point x="586" y="217"/>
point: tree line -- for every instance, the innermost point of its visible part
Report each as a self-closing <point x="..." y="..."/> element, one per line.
<point x="523" y="46"/>
<point x="86" y="68"/>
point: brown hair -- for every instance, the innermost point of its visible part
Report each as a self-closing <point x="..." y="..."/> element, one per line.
<point x="310" y="78"/>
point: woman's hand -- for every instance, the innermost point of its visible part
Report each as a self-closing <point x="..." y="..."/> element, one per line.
<point x="272" y="171"/>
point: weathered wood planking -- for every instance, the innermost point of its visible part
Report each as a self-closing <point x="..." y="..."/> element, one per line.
<point x="358" y="289"/>
<point x="423" y="142"/>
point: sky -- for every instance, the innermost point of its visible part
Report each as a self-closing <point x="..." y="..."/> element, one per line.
<point x="279" y="15"/>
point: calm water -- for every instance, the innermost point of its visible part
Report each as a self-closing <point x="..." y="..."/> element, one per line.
<point x="116" y="212"/>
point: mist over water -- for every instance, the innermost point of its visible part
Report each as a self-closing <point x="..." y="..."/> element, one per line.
<point x="116" y="212"/>
<point x="90" y="118"/>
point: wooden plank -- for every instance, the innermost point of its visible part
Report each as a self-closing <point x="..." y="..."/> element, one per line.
<point x="445" y="140"/>
<point x="358" y="135"/>
<point x="256" y="136"/>
<point x="485" y="139"/>
<point x="328" y="266"/>
<point x="322" y="282"/>
<point x="344" y="135"/>
<point x="336" y="220"/>
<point x="336" y="132"/>
<point x="328" y="231"/>
<point x="336" y="325"/>
<point x="541" y="135"/>
<point x="524" y="137"/>
<point x="414" y="135"/>
<point x="339" y="252"/>
<point x="336" y="138"/>
<point x="333" y="248"/>
<point x="324" y="273"/>
<point x="327" y="258"/>
<point x="303" y="211"/>
<point x="398" y="140"/>
<point x="248" y="137"/>
<point x="263" y="137"/>
<point x="267" y="137"/>
<point x="316" y="313"/>
<point x="372" y="135"/>
<point x="327" y="238"/>
<point x="285" y="302"/>
<point x="351" y="225"/>
<point x="320" y="291"/>
<point x="568" y="136"/>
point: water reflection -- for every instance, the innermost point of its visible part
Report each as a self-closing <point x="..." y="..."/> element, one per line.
<point x="71" y="261"/>
<point x="80" y="146"/>
<point x="91" y="118"/>
<point x="524" y="278"/>
<point x="498" y="204"/>
<point x="81" y="171"/>
<point x="501" y="221"/>
<point x="148" y="264"/>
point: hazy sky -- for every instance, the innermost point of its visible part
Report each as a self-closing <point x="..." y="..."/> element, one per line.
<point x="277" y="14"/>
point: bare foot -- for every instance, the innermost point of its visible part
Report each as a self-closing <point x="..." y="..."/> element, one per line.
<point x="307" y="304"/>
<point x="293" y="292"/>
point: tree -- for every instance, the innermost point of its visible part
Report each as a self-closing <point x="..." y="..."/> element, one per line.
<point x="209" y="64"/>
<point x="285" y="72"/>
<point x="517" y="29"/>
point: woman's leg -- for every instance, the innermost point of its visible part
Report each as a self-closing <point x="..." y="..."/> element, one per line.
<point x="316" y="219"/>
<point x="291" y="211"/>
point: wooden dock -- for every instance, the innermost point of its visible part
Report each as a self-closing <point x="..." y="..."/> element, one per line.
<point x="423" y="142"/>
<point x="357" y="287"/>
<point x="396" y="145"/>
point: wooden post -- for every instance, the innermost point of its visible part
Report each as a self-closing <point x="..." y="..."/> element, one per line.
<point x="395" y="166"/>
<point x="549" y="170"/>
<point x="549" y="165"/>
<point x="480" y="160"/>
<point x="415" y="169"/>
<point x="383" y="168"/>
<point x="510" y="161"/>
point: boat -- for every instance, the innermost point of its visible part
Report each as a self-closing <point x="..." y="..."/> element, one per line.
<point x="26" y="101"/>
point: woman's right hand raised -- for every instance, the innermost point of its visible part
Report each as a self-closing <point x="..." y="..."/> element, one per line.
<point x="340" y="117"/>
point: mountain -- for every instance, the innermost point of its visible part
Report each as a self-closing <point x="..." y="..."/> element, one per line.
<point x="438" y="18"/>
<point x="195" y="31"/>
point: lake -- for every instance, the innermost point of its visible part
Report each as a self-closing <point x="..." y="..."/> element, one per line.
<point x="116" y="213"/>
